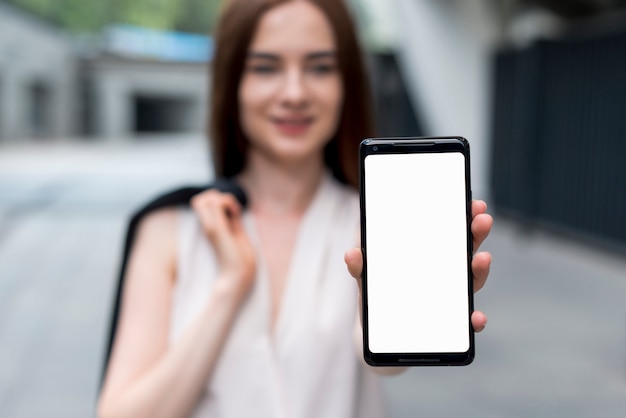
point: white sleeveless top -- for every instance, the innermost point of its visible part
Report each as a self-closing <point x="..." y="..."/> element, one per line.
<point x="309" y="366"/>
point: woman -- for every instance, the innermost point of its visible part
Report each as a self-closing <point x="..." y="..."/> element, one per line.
<point x="231" y="313"/>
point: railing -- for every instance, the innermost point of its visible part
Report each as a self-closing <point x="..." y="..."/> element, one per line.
<point x="559" y="135"/>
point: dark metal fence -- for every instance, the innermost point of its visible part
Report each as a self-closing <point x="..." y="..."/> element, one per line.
<point x="559" y="135"/>
<point x="395" y="114"/>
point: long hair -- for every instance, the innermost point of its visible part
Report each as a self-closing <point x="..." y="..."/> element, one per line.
<point x="236" y="27"/>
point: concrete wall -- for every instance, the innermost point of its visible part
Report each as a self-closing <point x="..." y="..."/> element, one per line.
<point x="33" y="53"/>
<point x="116" y="82"/>
<point x="444" y="49"/>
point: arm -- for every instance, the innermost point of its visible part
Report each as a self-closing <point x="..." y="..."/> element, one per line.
<point x="146" y="378"/>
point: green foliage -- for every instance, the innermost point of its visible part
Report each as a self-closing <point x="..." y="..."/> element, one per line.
<point x="80" y="15"/>
<point x="195" y="16"/>
<point x="43" y="8"/>
<point x="154" y="14"/>
<point x="198" y="16"/>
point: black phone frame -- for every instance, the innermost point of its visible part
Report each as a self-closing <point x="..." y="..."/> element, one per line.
<point x="406" y="145"/>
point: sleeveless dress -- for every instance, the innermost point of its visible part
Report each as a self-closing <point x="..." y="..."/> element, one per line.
<point x="309" y="366"/>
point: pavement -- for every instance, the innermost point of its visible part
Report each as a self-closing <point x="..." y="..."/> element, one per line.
<point x="555" y="345"/>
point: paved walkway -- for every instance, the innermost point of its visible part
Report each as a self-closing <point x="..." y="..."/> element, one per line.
<point x="555" y="345"/>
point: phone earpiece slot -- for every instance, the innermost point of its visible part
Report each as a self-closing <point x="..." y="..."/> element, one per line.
<point x="414" y="144"/>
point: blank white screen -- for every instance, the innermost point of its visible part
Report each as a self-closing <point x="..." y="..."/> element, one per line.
<point x="417" y="284"/>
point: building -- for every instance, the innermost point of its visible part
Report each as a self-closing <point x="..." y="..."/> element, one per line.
<point x="145" y="81"/>
<point x="38" y="69"/>
<point x="128" y="81"/>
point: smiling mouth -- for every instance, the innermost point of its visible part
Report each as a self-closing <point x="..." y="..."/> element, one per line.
<point x="293" y="126"/>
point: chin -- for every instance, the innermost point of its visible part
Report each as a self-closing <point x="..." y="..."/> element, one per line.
<point x="292" y="155"/>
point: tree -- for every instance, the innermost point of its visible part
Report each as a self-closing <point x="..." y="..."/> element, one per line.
<point x="197" y="16"/>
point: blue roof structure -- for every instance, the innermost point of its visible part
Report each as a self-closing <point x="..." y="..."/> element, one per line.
<point x="137" y="42"/>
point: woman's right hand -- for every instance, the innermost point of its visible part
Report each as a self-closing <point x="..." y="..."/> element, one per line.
<point x="144" y="363"/>
<point x="220" y="215"/>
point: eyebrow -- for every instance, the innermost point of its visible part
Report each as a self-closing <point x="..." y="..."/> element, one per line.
<point x="275" y="57"/>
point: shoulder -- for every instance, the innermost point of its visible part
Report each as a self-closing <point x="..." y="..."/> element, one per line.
<point x="158" y="224"/>
<point x="156" y="237"/>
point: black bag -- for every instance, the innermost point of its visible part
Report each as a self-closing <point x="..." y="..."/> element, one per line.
<point x="178" y="197"/>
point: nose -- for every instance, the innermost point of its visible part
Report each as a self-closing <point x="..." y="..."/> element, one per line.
<point x="294" y="91"/>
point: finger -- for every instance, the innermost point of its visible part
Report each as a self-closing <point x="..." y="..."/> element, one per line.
<point x="231" y="204"/>
<point x="481" y="264"/>
<point x="354" y="261"/>
<point x="201" y="205"/>
<point x="479" y="321"/>
<point x="478" y="207"/>
<point x="203" y="199"/>
<point x="209" y="206"/>
<point x="481" y="226"/>
<point x="233" y="212"/>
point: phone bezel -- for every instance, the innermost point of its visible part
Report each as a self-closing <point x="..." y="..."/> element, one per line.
<point x="405" y="146"/>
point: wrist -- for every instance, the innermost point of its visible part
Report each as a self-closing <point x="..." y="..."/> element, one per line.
<point x="230" y="287"/>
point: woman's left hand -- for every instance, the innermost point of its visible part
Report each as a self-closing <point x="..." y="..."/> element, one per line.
<point x="481" y="226"/>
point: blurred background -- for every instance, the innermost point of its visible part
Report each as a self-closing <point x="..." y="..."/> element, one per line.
<point x="103" y="104"/>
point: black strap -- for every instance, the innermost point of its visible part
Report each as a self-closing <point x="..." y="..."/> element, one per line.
<point x="178" y="197"/>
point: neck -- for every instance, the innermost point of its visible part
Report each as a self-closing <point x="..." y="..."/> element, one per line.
<point x="281" y="190"/>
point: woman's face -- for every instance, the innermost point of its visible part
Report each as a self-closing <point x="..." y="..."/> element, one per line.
<point x="291" y="93"/>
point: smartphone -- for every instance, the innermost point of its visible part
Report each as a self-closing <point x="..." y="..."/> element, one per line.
<point x="417" y="251"/>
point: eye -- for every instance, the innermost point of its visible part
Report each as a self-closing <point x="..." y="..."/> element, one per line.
<point x="322" y="69"/>
<point x="262" y="69"/>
